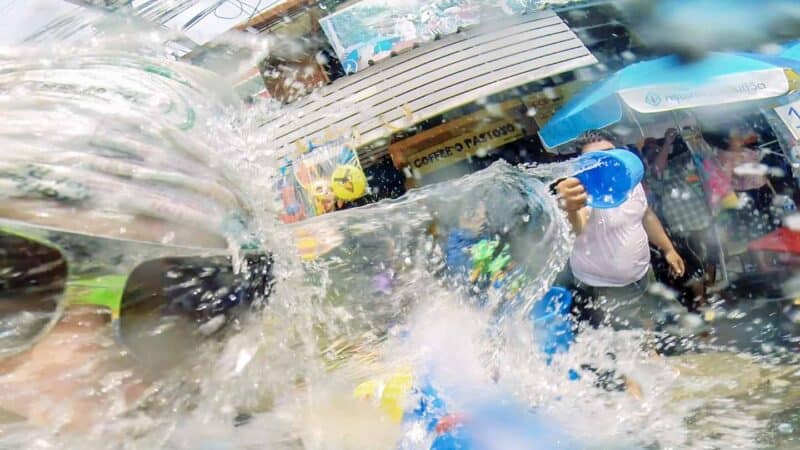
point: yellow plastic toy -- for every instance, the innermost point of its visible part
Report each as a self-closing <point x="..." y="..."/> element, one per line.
<point x="391" y="392"/>
<point x="348" y="182"/>
<point x="323" y="196"/>
<point x="730" y="201"/>
<point x="315" y="241"/>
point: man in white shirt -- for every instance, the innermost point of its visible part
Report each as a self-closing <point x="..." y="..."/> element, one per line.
<point x="611" y="257"/>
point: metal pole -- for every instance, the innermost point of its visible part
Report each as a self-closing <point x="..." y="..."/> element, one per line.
<point x="723" y="265"/>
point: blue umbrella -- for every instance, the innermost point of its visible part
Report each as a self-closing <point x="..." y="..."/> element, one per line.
<point x="792" y="51"/>
<point x="666" y="84"/>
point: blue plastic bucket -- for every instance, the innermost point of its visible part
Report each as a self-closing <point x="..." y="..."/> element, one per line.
<point x="608" y="176"/>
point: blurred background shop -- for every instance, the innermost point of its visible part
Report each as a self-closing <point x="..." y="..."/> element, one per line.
<point x="438" y="94"/>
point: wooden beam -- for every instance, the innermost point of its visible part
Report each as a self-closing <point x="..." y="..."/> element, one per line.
<point x="267" y="18"/>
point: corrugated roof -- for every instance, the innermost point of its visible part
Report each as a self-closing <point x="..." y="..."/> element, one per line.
<point x="433" y="79"/>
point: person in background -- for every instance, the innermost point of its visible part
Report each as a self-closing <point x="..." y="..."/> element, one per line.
<point x="741" y="163"/>
<point x="738" y="167"/>
<point x="649" y="150"/>
<point x="471" y="228"/>
<point x="610" y="260"/>
<point x="680" y="201"/>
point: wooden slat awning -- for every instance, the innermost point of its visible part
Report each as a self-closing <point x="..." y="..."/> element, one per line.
<point x="433" y="79"/>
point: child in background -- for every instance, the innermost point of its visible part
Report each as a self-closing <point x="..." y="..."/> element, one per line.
<point x="470" y="230"/>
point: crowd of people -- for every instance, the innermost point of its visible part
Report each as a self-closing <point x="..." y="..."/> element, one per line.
<point x="713" y="191"/>
<point x="704" y="196"/>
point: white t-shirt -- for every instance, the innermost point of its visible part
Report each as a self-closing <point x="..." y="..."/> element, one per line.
<point x="613" y="249"/>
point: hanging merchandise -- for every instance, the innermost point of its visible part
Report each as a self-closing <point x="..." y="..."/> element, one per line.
<point x="348" y="182"/>
<point x="293" y="208"/>
<point x="330" y="175"/>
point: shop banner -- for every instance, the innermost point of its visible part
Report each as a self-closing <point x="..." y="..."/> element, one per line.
<point x="790" y="115"/>
<point x="482" y="140"/>
<point x="371" y="30"/>
<point x="740" y="87"/>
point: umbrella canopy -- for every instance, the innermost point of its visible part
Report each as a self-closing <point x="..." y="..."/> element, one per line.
<point x="792" y="51"/>
<point x="782" y="240"/>
<point x="667" y="84"/>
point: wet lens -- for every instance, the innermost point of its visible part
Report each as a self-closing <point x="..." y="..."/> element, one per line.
<point x="33" y="277"/>
<point x="171" y="304"/>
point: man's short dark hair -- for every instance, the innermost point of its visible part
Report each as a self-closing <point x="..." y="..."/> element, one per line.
<point x="592" y="136"/>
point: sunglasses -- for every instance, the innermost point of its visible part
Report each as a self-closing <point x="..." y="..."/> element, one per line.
<point x="162" y="299"/>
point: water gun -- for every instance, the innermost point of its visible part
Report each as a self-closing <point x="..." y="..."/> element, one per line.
<point x="415" y="402"/>
<point x="495" y="423"/>
<point x="487" y="261"/>
<point x="500" y="424"/>
<point x="404" y="398"/>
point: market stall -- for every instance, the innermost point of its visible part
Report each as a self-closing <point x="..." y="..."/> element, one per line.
<point x="426" y="82"/>
<point x="720" y="86"/>
<point x="453" y="142"/>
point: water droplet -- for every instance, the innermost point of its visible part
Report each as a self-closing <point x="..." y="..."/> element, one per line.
<point x="776" y="172"/>
<point x="495" y="110"/>
<point x="168" y="238"/>
<point x="751" y="169"/>
<point x="792" y="222"/>
<point x="770" y="48"/>
<point x="584" y="74"/>
<point x="211" y="326"/>
<point x="624" y="131"/>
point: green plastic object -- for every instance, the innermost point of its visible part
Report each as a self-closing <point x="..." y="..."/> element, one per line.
<point x="105" y="290"/>
<point x="484" y="260"/>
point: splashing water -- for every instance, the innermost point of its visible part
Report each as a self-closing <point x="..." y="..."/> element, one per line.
<point x="114" y="139"/>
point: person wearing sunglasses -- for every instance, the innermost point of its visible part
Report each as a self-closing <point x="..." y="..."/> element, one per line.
<point x="65" y="297"/>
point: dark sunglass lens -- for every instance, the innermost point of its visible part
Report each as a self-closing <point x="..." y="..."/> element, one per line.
<point x="170" y="303"/>
<point x="33" y="278"/>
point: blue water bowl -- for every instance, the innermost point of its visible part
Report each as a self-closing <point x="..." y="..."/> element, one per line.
<point x="608" y="176"/>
